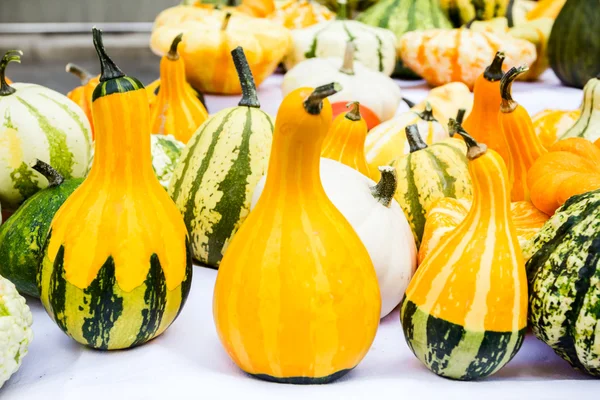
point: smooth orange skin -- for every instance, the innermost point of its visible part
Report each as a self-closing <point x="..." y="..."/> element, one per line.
<point x="546" y="8"/>
<point x="257" y="8"/>
<point x="296" y="293"/>
<point x="82" y="96"/>
<point x="369" y="116"/>
<point x="549" y="125"/>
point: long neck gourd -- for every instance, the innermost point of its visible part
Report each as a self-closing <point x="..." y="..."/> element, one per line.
<point x="296" y="298"/>
<point x="117" y="267"/>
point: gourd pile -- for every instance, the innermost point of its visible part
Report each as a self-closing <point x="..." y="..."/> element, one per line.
<point x="473" y="218"/>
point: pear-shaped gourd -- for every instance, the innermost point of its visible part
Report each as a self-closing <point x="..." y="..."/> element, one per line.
<point x="296" y="298"/>
<point x="116" y="268"/>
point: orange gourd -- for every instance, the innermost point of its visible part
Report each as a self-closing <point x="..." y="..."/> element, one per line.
<point x="296" y="298"/>
<point x="298" y="14"/>
<point x="257" y="8"/>
<point x="482" y="122"/>
<point x="517" y="129"/>
<point x="82" y="95"/>
<point x="549" y="125"/>
<point x="345" y="141"/>
<point x="545" y="9"/>
<point x="572" y="166"/>
<point x="176" y="111"/>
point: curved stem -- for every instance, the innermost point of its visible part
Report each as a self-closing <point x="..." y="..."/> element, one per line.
<point x="226" y="21"/>
<point x="474" y="149"/>
<point x="53" y="176"/>
<point x="460" y="115"/>
<point x="354" y="113"/>
<point x="385" y="189"/>
<point x="414" y="139"/>
<point x="314" y="102"/>
<point x="249" y="96"/>
<point x="109" y="69"/>
<point x="172" y="54"/>
<point x="427" y="113"/>
<point x="9" y="56"/>
<point x="80" y="72"/>
<point x="494" y="72"/>
<point x="348" y="64"/>
<point x="508" y="104"/>
<point x="408" y="102"/>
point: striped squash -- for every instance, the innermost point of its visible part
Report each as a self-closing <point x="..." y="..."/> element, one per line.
<point x="461" y="12"/>
<point x="446" y="101"/>
<point x="549" y="125"/>
<point x="108" y="277"/>
<point x="588" y="124"/>
<point x="218" y="170"/>
<point x="427" y="174"/>
<point x="166" y="151"/>
<point x="563" y="270"/>
<point x="82" y="95"/>
<point x="298" y="14"/>
<point x="37" y="123"/>
<point x="465" y="311"/>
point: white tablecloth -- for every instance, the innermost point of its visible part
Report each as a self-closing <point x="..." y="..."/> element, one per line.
<point x="188" y="362"/>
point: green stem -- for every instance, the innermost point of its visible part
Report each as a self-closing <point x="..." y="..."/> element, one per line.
<point x="53" y="176"/>
<point x="249" y="96"/>
<point x="508" y="104"/>
<point x="108" y="68"/>
<point x="354" y="113"/>
<point x="172" y="54"/>
<point x="460" y="115"/>
<point x="226" y="21"/>
<point x="80" y="72"/>
<point x="385" y="189"/>
<point x="314" y="102"/>
<point x="348" y="64"/>
<point x="414" y="139"/>
<point x="408" y="102"/>
<point x="10" y="56"/>
<point x="474" y="149"/>
<point x="494" y="72"/>
<point x="427" y="113"/>
<point x="342" y="12"/>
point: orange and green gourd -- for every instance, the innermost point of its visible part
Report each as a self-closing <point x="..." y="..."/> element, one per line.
<point x="82" y="95"/>
<point x="525" y="147"/>
<point x="465" y="311"/>
<point x="109" y="278"/>
<point x="551" y="124"/>
<point x="296" y="298"/>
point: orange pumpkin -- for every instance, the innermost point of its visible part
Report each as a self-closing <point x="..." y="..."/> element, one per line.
<point x="572" y="166"/>
<point x="549" y="125"/>
<point x="298" y="14"/>
<point x="82" y="95"/>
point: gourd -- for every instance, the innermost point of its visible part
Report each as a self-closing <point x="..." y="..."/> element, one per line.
<point x="461" y="12"/>
<point x="209" y="35"/>
<point x="166" y="151"/>
<point x="213" y="183"/>
<point x="546" y="9"/>
<point x="517" y="10"/>
<point x="297" y="265"/>
<point x="427" y="174"/>
<point x="253" y="8"/>
<point x="388" y="141"/>
<point x="574" y="49"/>
<point x="377" y="93"/>
<point x="572" y="166"/>
<point x="153" y="89"/>
<point x="517" y="129"/>
<point x="446" y="100"/>
<point x="345" y="141"/>
<point x="460" y="55"/>
<point x="537" y="32"/>
<point x="175" y="111"/>
<point x="562" y="270"/>
<point x="22" y="237"/>
<point x="82" y="95"/>
<point x="588" y="124"/>
<point x="465" y="311"/>
<point x="551" y="124"/>
<point x="108" y="278"/>
<point x="401" y="16"/>
<point x="298" y="14"/>
<point x="37" y="122"/>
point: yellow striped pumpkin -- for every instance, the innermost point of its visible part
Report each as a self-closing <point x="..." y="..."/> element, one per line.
<point x="549" y="125"/>
<point x="298" y="14"/>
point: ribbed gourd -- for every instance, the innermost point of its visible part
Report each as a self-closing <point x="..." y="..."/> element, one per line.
<point x="82" y="95"/>
<point x="588" y="124"/>
<point x="465" y="311"/>
<point x="297" y="265"/>
<point x="109" y="278"/>
<point x="517" y="129"/>
<point x="218" y="170"/>
<point x="176" y="111"/>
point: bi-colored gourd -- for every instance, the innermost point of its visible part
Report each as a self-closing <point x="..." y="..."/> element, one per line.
<point x="82" y="95"/>
<point x="465" y="311"/>
<point x="537" y="32"/>
<point x="428" y="173"/>
<point x="175" y="111"/>
<point x="109" y="278"/>
<point x="23" y="236"/>
<point x="446" y="100"/>
<point x="218" y="170"/>
<point x="546" y="9"/>
<point x="517" y="10"/>
<point x="297" y="265"/>
<point x="377" y="93"/>
<point x="517" y="129"/>
<point x="37" y="123"/>
<point x="460" y="12"/>
<point x="482" y="122"/>
<point x="460" y="55"/>
<point x="588" y="124"/>
<point x="572" y="166"/>
<point x="549" y="125"/>
<point x="298" y="14"/>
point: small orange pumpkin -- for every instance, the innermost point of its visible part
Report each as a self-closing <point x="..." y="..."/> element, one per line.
<point x="82" y="95"/>
<point x="549" y="125"/>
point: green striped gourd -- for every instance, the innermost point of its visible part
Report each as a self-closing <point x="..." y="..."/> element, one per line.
<point x="564" y="281"/>
<point x="401" y="16"/>
<point x="588" y="124"/>
<point x="461" y="12"/>
<point x="23" y="236"/>
<point x="166" y="151"/>
<point x="219" y="169"/>
<point x="429" y="173"/>
<point x="37" y="122"/>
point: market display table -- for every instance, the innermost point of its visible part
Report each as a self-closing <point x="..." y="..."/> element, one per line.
<point x="188" y="361"/>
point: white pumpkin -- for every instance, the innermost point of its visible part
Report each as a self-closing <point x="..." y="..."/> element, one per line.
<point x="375" y="91"/>
<point x="377" y="219"/>
<point x="375" y="47"/>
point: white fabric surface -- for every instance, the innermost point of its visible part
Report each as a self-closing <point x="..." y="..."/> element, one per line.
<point x="188" y="361"/>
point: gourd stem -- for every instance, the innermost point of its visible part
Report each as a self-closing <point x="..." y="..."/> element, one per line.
<point x="385" y="189"/>
<point x="408" y="102"/>
<point x="348" y="64"/>
<point x="249" y="96"/>
<point x="427" y="113"/>
<point x="494" y="72"/>
<point x="226" y="21"/>
<point x="342" y="12"/>
<point x="414" y="139"/>
<point x="354" y="113"/>
<point x="508" y="104"/>
<point x="172" y="54"/>
<point x="314" y="102"/>
<point x="53" y="176"/>
<point x="460" y="115"/>
<point x="108" y="68"/>
<point x="474" y="149"/>
<point x="10" y="56"/>
<point x="80" y="72"/>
